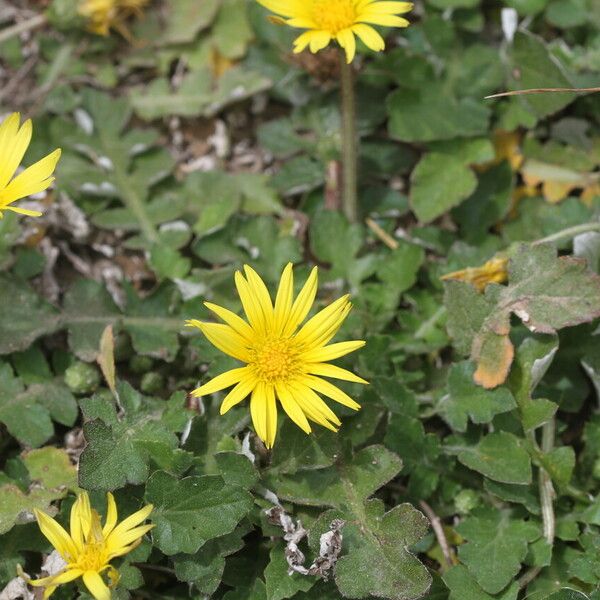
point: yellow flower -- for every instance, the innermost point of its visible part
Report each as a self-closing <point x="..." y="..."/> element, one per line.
<point x="104" y="15"/>
<point x="89" y="548"/>
<point x="14" y="141"/>
<point x="340" y="20"/>
<point x="282" y="361"/>
<point x="493" y="271"/>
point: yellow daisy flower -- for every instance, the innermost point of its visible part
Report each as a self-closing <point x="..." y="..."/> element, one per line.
<point x="88" y="549"/>
<point x="283" y="362"/>
<point x="104" y="15"/>
<point x="339" y="20"/>
<point x="14" y="141"/>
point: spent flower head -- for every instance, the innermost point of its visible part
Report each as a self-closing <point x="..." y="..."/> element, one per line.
<point x="14" y="141"/>
<point x="89" y="547"/>
<point x="494" y="270"/>
<point x="104" y="15"/>
<point x="340" y="20"/>
<point x="284" y="360"/>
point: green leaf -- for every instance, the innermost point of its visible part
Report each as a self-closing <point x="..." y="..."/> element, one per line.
<point x="186" y="18"/>
<point x="123" y="450"/>
<point x="467" y="400"/>
<point x="190" y="511"/>
<point x="537" y="68"/>
<point x="381" y="540"/>
<point x="429" y="114"/>
<point x="500" y="456"/>
<point x="464" y="587"/>
<point x="27" y="412"/>
<point x="533" y="359"/>
<point x="545" y="291"/>
<point x="497" y="545"/>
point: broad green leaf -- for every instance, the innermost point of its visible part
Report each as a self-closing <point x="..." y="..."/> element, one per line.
<point x="545" y="291"/>
<point x="279" y="583"/>
<point x="429" y="114"/>
<point x="500" y="456"/>
<point x="193" y="510"/>
<point x="496" y="546"/>
<point x="467" y="400"/>
<point x="464" y="587"/>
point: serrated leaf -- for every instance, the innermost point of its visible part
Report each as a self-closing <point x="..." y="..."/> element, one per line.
<point x="545" y="291"/>
<point x="467" y="400"/>
<point x="278" y="582"/>
<point x="500" y="456"/>
<point x="190" y="511"/>
<point x="464" y="587"/>
<point x="496" y="546"/>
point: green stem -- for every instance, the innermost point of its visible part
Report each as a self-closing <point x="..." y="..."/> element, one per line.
<point x="349" y="141"/>
<point x="570" y="232"/>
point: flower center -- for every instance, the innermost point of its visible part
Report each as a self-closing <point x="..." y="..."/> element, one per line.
<point x="334" y="15"/>
<point x="93" y="557"/>
<point x="275" y="360"/>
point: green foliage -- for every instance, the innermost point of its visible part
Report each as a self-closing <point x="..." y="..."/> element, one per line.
<point x="195" y="141"/>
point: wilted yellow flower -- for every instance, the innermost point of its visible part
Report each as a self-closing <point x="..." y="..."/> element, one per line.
<point x="282" y="361"/>
<point x="14" y="141"/>
<point x="89" y="548"/>
<point x="493" y="271"/>
<point x="338" y="20"/>
<point x="508" y="147"/>
<point x="104" y="15"/>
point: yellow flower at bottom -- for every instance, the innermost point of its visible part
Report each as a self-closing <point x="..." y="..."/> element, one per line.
<point x="14" y="141"/>
<point x="283" y="362"/>
<point x="338" y="20"/>
<point x="89" y="547"/>
<point x="104" y="15"/>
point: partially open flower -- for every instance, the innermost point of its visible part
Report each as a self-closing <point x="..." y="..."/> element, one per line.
<point x="89" y="547"/>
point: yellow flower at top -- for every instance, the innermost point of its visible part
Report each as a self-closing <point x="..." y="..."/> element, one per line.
<point x="104" y="15"/>
<point x="338" y="20"/>
<point x="14" y="141"/>
<point x="89" y="547"/>
<point x="284" y="360"/>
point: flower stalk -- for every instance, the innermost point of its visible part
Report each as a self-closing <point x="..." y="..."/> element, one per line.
<point x="349" y="142"/>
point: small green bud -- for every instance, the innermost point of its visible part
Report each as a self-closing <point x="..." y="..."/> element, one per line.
<point x="152" y="383"/>
<point x="82" y="378"/>
<point x="465" y="501"/>
<point x="140" y="364"/>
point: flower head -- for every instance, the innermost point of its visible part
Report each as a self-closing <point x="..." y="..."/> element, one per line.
<point x="494" y="270"/>
<point x="88" y="549"/>
<point x="14" y="141"/>
<point x="284" y="361"/>
<point x="104" y="15"/>
<point x="338" y="20"/>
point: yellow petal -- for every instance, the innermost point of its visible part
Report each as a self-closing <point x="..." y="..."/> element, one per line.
<point x="222" y="381"/>
<point x="120" y="531"/>
<point x="111" y="515"/>
<point x="226" y="340"/>
<point x="332" y="351"/>
<point x="334" y="371"/>
<point x="240" y="392"/>
<point x="284" y="297"/>
<point x="291" y="407"/>
<point x="271" y="410"/>
<point x="261" y="294"/>
<point x="234" y="321"/>
<point x="54" y="580"/>
<point x="15" y="143"/>
<point x="56" y="535"/>
<point x="330" y="390"/>
<point x="258" y="411"/>
<point x="95" y="585"/>
<point x="303" y="303"/>
<point x="249" y="302"/>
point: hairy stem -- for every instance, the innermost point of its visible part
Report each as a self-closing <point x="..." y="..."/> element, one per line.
<point x="570" y="232"/>
<point x="349" y="141"/>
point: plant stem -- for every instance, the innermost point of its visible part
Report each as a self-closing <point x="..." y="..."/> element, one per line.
<point x="349" y="141"/>
<point x="570" y="232"/>
<point x="22" y="27"/>
<point x="546" y="491"/>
